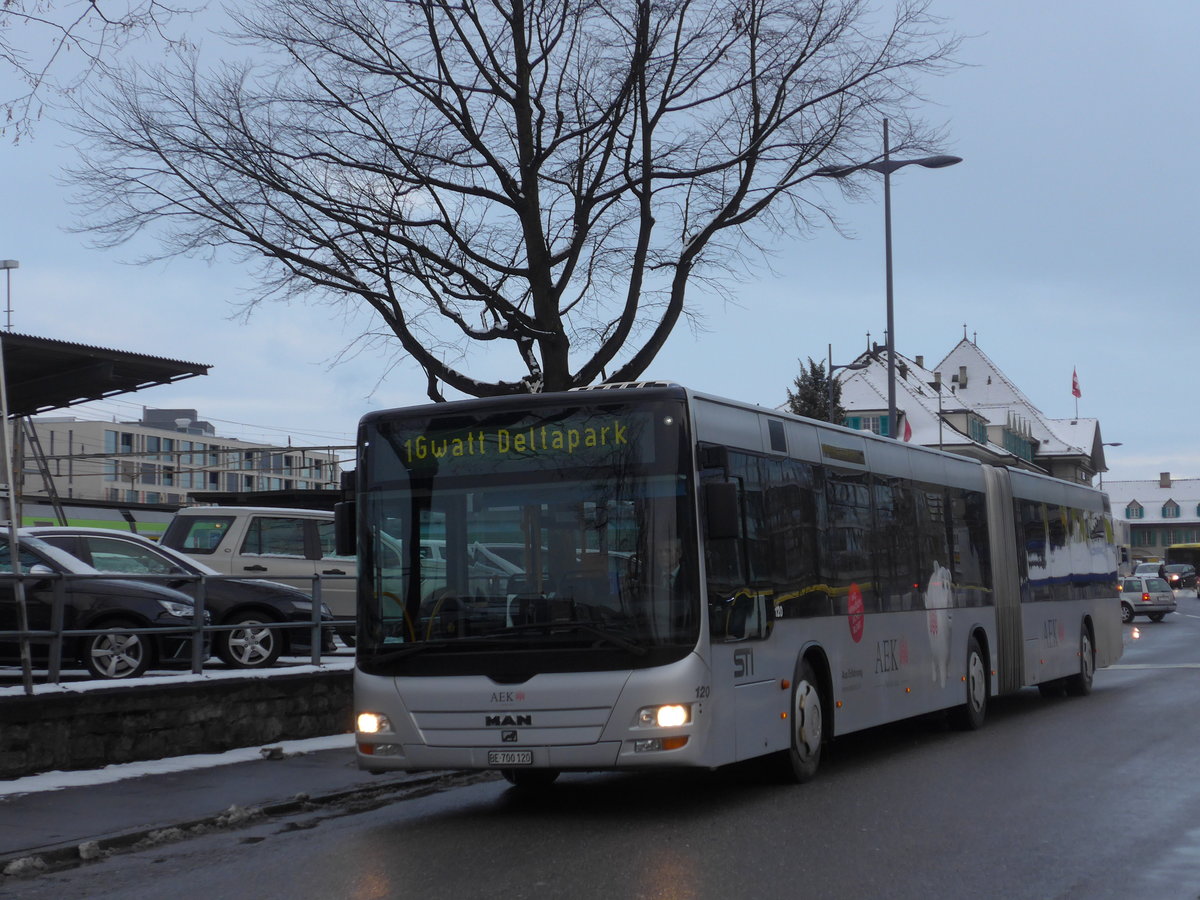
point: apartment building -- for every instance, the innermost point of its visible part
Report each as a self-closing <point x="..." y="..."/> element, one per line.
<point x="163" y="458"/>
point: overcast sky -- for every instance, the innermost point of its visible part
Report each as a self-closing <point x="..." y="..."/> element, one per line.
<point x="1065" y="240"/>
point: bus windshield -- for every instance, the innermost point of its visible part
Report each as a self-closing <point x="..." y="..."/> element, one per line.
<point x="555" y="539"/>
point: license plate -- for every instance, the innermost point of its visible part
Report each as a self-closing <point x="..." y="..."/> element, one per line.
<point x="510" y="757"/>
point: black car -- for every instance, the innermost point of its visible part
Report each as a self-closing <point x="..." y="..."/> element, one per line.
<point x="92" y="602"/>
<point x="250" y="603"/>
<point x="1180" y="575"/>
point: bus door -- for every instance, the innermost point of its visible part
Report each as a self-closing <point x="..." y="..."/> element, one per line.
<point x="740" y="619"/>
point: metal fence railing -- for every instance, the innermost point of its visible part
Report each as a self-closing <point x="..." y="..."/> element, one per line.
<point x="57" y="627"/>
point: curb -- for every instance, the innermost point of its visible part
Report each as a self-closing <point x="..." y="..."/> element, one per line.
<point x="58" y="857"/>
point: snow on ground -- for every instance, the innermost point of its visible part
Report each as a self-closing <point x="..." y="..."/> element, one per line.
<point x="53" y="781"/>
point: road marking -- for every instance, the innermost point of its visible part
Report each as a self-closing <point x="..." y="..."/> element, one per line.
<point x="1156" y="666"/>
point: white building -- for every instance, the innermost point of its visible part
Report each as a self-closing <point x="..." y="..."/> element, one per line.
<point x="164" y="458"/>
<point x="965" y="404"/>
<point x="1158" y="513"/>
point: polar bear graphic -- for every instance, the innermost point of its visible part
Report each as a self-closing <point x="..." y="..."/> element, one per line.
<point x="939" y="598"/>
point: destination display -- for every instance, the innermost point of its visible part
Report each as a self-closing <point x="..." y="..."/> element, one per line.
<point x="548" y="439"/>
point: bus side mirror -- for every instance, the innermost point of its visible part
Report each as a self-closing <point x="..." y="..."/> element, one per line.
<point x="746" y="616"/>
<point x="721" y="510"/>
<point x="345" y="537"/>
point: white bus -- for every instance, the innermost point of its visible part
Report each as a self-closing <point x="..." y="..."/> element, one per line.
<point x="698" y="582"/>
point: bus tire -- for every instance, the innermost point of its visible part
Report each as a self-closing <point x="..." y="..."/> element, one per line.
<point x="803" y="758"/>
<point x="1080" y="684"/>
<point x="970" y="716"/>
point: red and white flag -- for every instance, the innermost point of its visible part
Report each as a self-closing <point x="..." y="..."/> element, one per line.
<point x="1075" y="384"/>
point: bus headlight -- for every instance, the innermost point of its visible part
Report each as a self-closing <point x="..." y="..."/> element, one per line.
<point x="670" y="715"/>
<point x="372" y="723"/>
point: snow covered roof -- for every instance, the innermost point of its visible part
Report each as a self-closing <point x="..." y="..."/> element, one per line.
<point x="939" y="404"/>
<point x="1153" y="496"/>
<point x="980" y="384"/>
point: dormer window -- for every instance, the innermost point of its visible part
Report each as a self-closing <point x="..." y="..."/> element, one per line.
<point x="1170" y="510"/>
<point x="1134" y="510"/>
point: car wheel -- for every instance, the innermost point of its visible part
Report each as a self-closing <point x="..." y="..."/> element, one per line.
<point x="1126" y="613"/>
<point x="253" y="645"/>
<point x="1157" y="617"/>
<point x="117" y="654"/>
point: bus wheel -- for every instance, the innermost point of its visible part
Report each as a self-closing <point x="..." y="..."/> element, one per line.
<point x="808" y="725"/>
<point x="970" y="715"/>
<point x="530" y="779"/>
<point x="1080" y="685"/>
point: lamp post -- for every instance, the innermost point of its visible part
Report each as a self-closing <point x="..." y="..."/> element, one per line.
<point x="8" y="265"/>
<point x="1102" y="471"/>
<point x="886" y="167"/>
<point x="829" y="379"/>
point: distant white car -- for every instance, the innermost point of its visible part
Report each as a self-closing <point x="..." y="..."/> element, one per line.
<point x="1143" y="595"/>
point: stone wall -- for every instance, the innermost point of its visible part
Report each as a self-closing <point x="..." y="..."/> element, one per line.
<point x="95" y="728"/>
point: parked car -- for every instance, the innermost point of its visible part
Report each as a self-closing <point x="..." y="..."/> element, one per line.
<point x="291" y="545"/>
<point x="245" y="602"/>
<point x="1181" y="575"/>
<point x="1143" y="595"/>
<point x="92" y="602"/>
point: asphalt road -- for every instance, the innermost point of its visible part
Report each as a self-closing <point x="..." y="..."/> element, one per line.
<point x="1090" y="797"/>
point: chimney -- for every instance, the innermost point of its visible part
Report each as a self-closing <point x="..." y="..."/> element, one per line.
<point x="920" y="362"/>
<point x="1164" y="479"/>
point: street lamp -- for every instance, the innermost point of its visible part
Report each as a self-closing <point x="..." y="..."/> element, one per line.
<point x="829" y="380"/>
<point x="1102" y="471"/>
<point x="8" y="265"/>
<point x="887" y="166"/>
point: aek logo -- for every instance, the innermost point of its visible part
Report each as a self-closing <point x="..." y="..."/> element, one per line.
<point x="890" y="655"/>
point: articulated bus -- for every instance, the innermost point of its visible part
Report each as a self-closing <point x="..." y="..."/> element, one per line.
<point x="693" y="581"/>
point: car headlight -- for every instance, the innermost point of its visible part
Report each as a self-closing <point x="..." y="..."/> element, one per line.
<point x="179" y="610"/>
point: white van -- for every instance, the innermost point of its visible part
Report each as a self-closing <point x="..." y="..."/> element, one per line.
<point x="287" y="545"/>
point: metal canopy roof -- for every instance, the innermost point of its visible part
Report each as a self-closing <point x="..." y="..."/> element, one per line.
<point x="44" y="374"/>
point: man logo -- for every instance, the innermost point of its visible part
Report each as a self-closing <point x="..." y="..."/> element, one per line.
<point x="507" y="721"/>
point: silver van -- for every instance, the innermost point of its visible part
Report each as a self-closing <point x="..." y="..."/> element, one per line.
<point x="288" y="545"/>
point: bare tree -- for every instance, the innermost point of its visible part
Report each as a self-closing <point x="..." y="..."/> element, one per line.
<point x="542" y="175"/>
<point x="55" y="46"/>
